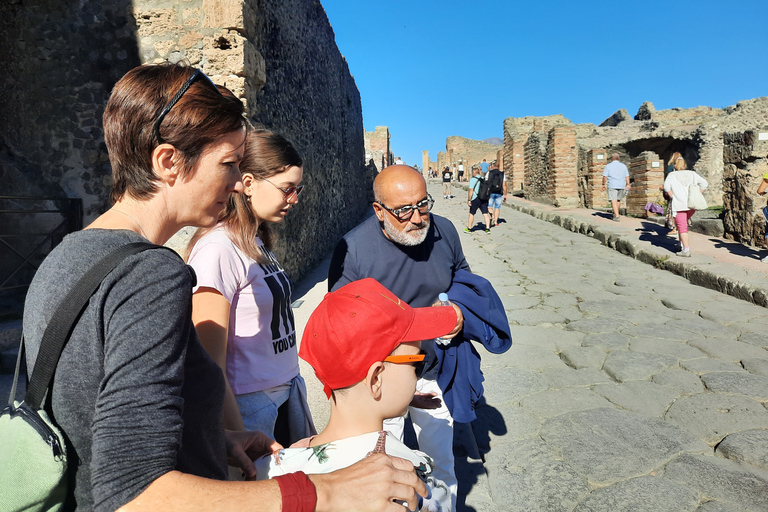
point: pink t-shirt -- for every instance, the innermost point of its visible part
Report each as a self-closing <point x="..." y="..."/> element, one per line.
<point x="261" y="340"/>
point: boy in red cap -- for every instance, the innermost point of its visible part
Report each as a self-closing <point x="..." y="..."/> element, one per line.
<point x="364" y="344"/>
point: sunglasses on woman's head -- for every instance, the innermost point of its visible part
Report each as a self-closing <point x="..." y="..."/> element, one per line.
<point x="197" y="75"/>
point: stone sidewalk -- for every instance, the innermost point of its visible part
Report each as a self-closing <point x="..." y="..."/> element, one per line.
<point x="627" y="388"/>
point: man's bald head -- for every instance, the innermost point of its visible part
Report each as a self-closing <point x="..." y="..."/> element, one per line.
<point x="615" y="156"/>
<point x="397" y="183"/>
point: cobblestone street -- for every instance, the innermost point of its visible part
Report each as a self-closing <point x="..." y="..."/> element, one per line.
<point x="626" y="388"/>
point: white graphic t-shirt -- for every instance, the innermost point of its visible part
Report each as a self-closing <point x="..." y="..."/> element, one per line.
<point x="261" y="339"/>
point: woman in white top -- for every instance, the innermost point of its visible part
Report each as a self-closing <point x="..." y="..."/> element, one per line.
<point x="242" y="302"/>
<point x="676" y="185"/>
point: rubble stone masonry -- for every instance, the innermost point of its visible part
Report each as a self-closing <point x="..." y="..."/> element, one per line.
<point x="61" y="59"/>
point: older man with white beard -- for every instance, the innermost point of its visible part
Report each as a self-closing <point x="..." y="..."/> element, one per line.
<point x="414" y="254"/>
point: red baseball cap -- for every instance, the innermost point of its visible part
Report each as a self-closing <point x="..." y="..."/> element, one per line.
<point x="362" y="323"/>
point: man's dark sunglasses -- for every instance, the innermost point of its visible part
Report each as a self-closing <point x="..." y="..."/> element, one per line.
<point x="405" y="213"/>
<point x="184" y="88"/>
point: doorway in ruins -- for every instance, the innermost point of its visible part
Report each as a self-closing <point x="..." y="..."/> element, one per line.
<point x="662" y="146"/>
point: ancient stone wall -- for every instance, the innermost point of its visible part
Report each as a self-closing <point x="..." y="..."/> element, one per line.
<point x="562" y="161"/>
<point x="591" y="167"/>
<point x="471" y="152"/>
<point x="279" y="56"/>
<point x="746" y="161"/>
<point x="646" y="174"/>
<point x="536" y="182"/>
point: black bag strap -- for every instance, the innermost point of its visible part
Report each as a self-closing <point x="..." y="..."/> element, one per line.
<point x="61" y="323"/>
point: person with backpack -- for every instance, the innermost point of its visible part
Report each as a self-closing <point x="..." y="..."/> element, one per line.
<point x="447" y="175"/>
<point x="497" y="183"/>
<point x="478" y="195"/>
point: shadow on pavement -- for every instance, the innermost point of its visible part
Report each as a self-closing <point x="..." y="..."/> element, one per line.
<point x="656" y="235"/>
<point x="737" y="249"/>
<point x="471" y="443"/>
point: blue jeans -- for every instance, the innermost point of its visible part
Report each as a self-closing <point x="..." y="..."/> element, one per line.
<point x="495" y="202"/>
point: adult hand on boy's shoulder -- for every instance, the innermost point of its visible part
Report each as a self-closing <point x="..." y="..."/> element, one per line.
<point x="425" y="401"/>
<point x="243" y="447"/>
<point x="369" y="485"/>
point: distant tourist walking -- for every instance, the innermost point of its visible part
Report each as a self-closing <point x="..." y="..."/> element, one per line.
<point x="447" y="175"/>
<point x="761" y="191"/>
<point x="670" y="222"/>
<point x="678" y="185"/>
<point x="475" y="200"/>
<point x="484" y="168"/>
<point x="497" y="182"/>
<point x="461" y="172"/>
<point x="616" y="177"/>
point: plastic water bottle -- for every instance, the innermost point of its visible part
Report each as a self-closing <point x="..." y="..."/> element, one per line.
<point x="443" y="298"/>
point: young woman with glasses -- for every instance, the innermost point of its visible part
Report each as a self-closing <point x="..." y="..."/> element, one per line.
<point x="135" y="394"/>
<point x="241" y="306"/>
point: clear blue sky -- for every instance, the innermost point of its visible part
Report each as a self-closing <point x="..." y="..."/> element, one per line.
<point x="430" y="69"/>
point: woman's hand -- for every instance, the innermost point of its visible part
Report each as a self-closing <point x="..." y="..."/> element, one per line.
<point x="243" y="447"/>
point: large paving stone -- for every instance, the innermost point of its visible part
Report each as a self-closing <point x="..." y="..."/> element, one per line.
<point x="515" y="302"/>
<point x="680" y="303"/>
<point x="607" y="341"/>
<point x="561" y="378"/>
<point x="609" y="445"/>
<point x="727" y="349"/>
<point x="642" y="493"/>
<point x="583" y="357"/>
<point x="639" y="396"/>
<point x="728" y="315"/>
<point x="598" y="325"/>
<point x="526" y="476"/>
<point x="750" y="446"/>
<point x="603" y="305"/>
<point x="683" y="381"/>
<point x="721" y="479"/>
<point x="560" y="300"/>
<point x="756" y="366"/>
<point x="511" y="384"/>
<point x="552" y="338"/>
<point x="534" y="358"/>
<point x="754" y="386"/>
<point x="554" y="402"/>
<point x="707" y="328"/>
<point x="719" y="506"/>
<point x="571" y="313"/>
<point x="535" y="316"/>
<point x="759" y="339"/>
<point x="653" y="330"/>
<point x="711" y="417"/>
<point x="709" y="364"/>
<point x="670" y="348"/>
<point x="495" y="426"/>
<point x="624" y="366"/>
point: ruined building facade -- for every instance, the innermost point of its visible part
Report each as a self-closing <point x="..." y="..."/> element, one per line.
<point x="61" y="60"/>
<point x="377" y="148"/>
<point x="550" y="159"/>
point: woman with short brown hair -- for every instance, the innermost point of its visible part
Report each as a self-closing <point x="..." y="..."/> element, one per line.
<point x="134" y="393"/>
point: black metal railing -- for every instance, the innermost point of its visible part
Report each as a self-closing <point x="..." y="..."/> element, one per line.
<point x="30" y="227"/>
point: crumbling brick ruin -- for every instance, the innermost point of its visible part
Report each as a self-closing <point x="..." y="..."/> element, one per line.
<point x="552" y="160"/>
<point x="377" y="148"/>
<point x="467" y="151"/>
<point x="61" y="60"/>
